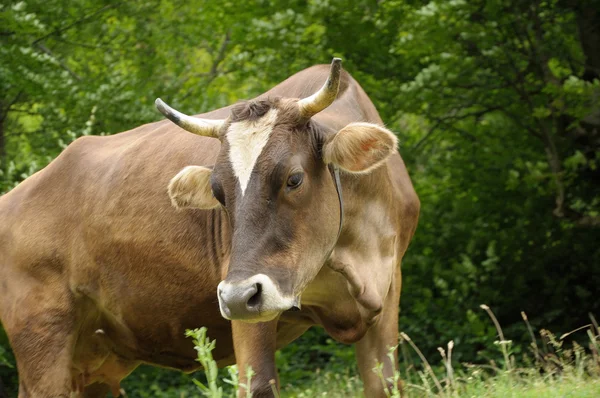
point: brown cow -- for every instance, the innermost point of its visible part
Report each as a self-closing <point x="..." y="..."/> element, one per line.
<point x="123" y="242"/>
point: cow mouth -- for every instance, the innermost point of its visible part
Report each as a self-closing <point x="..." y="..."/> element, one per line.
<point x="250" y="317"/>
<point x="254" y="299"/>
<point x="297" y="305"/>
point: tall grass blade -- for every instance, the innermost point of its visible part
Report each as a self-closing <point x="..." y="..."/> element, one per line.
<point x="425" y="363"/>
<point x="534" y="345"/>
<point x="503" y="342"/>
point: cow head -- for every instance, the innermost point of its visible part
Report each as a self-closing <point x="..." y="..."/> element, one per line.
<point x="272" y="178"/>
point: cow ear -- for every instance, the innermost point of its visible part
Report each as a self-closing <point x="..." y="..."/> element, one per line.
<point x="360" y="147"/>
<point x="191" y="188"/>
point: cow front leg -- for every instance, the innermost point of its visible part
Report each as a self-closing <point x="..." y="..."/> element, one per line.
<point x="40" y="329"/>
<point x="254" y="345"/>
<point x="374" y="347"/>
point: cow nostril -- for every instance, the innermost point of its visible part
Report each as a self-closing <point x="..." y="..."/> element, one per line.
<point x="255" y="300"/>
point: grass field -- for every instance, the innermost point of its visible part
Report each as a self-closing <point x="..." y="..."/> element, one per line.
<point x="548" y="369"/>
<point x="476" y="384"/>
<point x="503" y="386"/>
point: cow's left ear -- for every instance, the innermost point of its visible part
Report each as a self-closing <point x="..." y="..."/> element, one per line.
<point x="360" y="147"/>
<point x="191" y="188"/>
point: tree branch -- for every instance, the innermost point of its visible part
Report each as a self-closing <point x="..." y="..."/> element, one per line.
<point x="426" y="136"/>
<point x="579" y="219"/>
<point x="59" y="61"/>
<point x="220" y="54"/>
<point x="10" y="104"/>
<point x="3" y="116"/>
<point x="76" y="22"/>
<point x="213" y="73"/>
<point x="85" y="45"/>
<point x="25" y="111"/>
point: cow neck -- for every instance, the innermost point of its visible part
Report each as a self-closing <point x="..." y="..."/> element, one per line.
<point x="335" y="174"/>
<point x="364" y="291"/>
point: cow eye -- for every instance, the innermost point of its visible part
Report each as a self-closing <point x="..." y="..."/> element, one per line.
<point x="295" y="180"/>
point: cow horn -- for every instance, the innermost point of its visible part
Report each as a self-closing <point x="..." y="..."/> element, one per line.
<point x="320" y="100"/>
<point x="204" y="127"/>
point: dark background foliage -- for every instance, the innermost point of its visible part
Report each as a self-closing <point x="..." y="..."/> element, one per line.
<point x="496" y="104"/>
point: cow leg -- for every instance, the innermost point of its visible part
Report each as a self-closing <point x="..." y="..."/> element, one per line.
<point x="373" y="348"/>
<point x="255" y="345"/>
<point x="46" y="374"/>
<point x="40" y="329"/>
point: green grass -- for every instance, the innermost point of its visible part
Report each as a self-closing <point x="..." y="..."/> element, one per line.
<point x="330" y="384"/>
<point x="534" y="387"/>
<point x="547" y="367"/>
<point x="502" y="386"/>
<point x="346" y="385"/>
<point x="550" y="370"/>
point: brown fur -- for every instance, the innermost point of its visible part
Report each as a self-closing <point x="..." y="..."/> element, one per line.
<point x="252" y="110"/>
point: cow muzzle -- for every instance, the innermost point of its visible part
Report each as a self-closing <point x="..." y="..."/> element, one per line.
<point x="255" y="299"/>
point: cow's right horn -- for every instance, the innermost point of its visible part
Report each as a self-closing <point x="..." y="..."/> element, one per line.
<point x="320" y="100"/>
<point x="204" y="127"/>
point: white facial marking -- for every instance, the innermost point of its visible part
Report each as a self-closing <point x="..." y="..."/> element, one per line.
<point x="246" y="142"/>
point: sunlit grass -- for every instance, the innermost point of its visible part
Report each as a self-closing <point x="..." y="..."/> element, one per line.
<point x="329" y="384"/>
<point x="551" y="370"/>
<point x="338" y="386"/>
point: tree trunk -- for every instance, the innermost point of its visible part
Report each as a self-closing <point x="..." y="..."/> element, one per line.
<point x="2" y="142"/>
<point x="588" y="26"/>
<point x="589" y="33"/>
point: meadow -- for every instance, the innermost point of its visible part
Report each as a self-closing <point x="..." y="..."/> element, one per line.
<point x="549" y="366"/>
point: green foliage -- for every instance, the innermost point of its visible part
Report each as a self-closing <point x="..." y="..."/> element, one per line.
<point x="506" y="184"/>
<point x="314" y="351"/>
<point x="204" y="347"/>
<point x="547" y="370"/>
<point x="3" y="358"/>
<point x="390" y="384"/>
<point x="8" y="376"/>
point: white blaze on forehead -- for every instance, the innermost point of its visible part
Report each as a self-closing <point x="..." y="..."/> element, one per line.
<point x="247" y="140"/>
